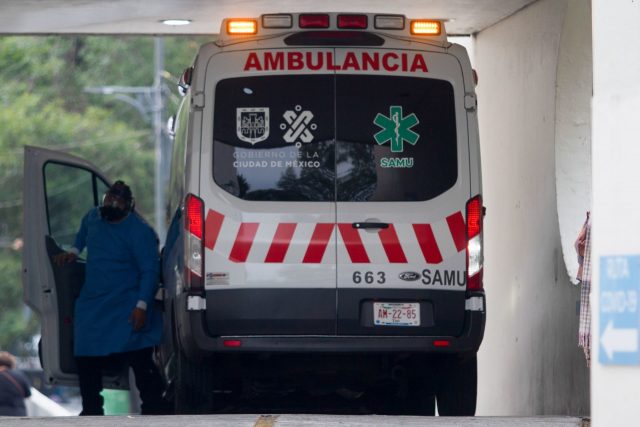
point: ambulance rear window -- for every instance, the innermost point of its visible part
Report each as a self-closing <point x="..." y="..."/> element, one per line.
<point x="334" y="137"/>
<point x="274" y="138"/>
<point x="396" y="138"/>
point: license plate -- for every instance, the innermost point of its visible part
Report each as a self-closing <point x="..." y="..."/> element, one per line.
<point x="396" y="313"/>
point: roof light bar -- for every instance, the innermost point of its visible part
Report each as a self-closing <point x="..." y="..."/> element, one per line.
<point x="277" y="21"/>
<point x="355" y="22"/>
<point x="242" y="26"/>
<point x="389" y="22"/>
<point x="423" y="27"/>
<point x="313" y="20"/>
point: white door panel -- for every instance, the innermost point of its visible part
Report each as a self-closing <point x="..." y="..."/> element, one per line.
<point x="58" y="190"/>
<point x="264" y="232"/>
<point x="403" y="160"/>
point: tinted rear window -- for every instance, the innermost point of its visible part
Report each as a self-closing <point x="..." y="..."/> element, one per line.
<point x="396" y="138"/>
<point x="274" y="138"/>
<point x="327" y="138"/>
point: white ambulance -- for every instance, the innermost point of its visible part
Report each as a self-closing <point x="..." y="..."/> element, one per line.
<point x="325" y="216"/>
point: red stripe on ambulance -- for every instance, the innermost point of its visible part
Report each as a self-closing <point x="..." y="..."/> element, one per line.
<point x="428" y="244"/>
<point x="457" y="228"/>
<point x="318" y="244"/>
<point x="391" y="245"/>
<point x="244" y="241"/>
<point x="224" y="233"/>
<point x="353" y="243"/>
<point x="413" y="62"/>
<point x="212" y="225"/>
<point x="281" y="241"/>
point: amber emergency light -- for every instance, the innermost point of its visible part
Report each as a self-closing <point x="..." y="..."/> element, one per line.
<point x="425" y="27"/>
<point x="242" y="26"/>
<point x="349" y="22"/>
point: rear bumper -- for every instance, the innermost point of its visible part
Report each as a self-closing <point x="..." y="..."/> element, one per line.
<point x="197" y="343"/>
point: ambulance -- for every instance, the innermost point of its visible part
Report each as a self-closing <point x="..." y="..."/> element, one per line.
<point x="325" y="217"/>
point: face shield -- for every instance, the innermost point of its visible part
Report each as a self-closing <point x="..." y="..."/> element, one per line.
<point x="117" y="202"/>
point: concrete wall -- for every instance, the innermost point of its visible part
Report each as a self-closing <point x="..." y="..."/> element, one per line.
<point x="529" y="362"/>
<point x="616" y="187"/>
<point x="573" y="127"/>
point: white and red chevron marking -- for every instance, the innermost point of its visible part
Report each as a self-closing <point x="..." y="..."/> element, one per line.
<point x="309" y="243"/>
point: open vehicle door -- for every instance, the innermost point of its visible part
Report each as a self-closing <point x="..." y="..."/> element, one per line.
<point x="59" y="189"/>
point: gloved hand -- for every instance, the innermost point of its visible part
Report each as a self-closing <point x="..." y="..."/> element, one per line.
<point x="64" y="258"/>
<point x="138" y="318"/>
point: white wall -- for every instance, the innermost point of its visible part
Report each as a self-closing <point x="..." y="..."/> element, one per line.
<point x="573" y="127"/>
<point x="529" y="362"/>
<point x="616" y="184"/>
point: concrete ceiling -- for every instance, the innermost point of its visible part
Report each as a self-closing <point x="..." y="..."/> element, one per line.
<point x="144" y="16"/>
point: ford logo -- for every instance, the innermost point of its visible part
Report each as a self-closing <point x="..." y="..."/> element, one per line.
<point x="409" y="276"/>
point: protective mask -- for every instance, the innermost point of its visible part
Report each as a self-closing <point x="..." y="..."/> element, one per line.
<point x="112" y="214"/>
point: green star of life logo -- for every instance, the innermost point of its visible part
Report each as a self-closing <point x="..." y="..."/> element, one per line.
<point x="396" y="129"/>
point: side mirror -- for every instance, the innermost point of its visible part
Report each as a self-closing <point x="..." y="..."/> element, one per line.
<point x="185" y="80"/>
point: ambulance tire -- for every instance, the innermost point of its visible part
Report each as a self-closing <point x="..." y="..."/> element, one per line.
<point x="458" y="387"/>
<point x="193" y="386"/>
<point x="422" y="399"/>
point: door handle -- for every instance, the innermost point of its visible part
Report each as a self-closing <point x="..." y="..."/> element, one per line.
<point x="370" y="225"/>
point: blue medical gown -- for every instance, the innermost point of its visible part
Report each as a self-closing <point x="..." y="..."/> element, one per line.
<point x="122" y="268"/>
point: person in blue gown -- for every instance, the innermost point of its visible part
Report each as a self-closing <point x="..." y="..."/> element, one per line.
<point x="115" y="317"/>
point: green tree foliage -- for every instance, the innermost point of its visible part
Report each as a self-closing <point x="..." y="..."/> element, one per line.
<point x="43" y="102"/>
<point x="17" y="326"/>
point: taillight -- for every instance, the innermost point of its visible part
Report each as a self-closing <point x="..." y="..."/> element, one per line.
<point x="474" y="243"/>
<point x="194" y="243"/>
<point x="355" y="22"/>
<point x="313" y="20"/>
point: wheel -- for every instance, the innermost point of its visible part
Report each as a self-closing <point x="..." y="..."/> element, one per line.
<point x="193" y="392"/>
<point x="421" y="400"/>
<point x="458" y="387"/>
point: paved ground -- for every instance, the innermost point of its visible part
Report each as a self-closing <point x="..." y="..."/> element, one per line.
<point x="302" y="420"/>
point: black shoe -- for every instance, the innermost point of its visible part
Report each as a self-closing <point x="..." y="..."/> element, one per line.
<point x="162" y="407"/>
<point x="91" y="412"/>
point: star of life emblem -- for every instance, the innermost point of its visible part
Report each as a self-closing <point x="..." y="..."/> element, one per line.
<point x="252" y="124"/>
<point x="396" y="128"/>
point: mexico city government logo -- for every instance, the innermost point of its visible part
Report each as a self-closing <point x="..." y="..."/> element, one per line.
<point x="252" y="124"/>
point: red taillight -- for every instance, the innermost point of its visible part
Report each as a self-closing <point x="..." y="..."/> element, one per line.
<point x="441" y="343"/>
<point x="474" y="217"/>
<point x="355" y="22"/>
<point x="313" y="20"/>
<point x="474" y="243"/>
<point x="194" y="244"/>
<point x="232" y="343"/>
<point x="193" y="219"/>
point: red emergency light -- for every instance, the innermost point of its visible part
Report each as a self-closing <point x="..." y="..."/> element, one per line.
<point x="352" y="22"/>
<point x="313" y="20"/>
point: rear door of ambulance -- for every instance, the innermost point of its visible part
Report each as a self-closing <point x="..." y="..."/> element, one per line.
<point x="403" y="181"/>
<point x="268" y="183"/>
<point x="59" y="189"/>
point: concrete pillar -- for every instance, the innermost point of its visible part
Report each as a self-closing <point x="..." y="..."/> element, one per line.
<point x="529" y="363"/>
<point x="616" y="192"/>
